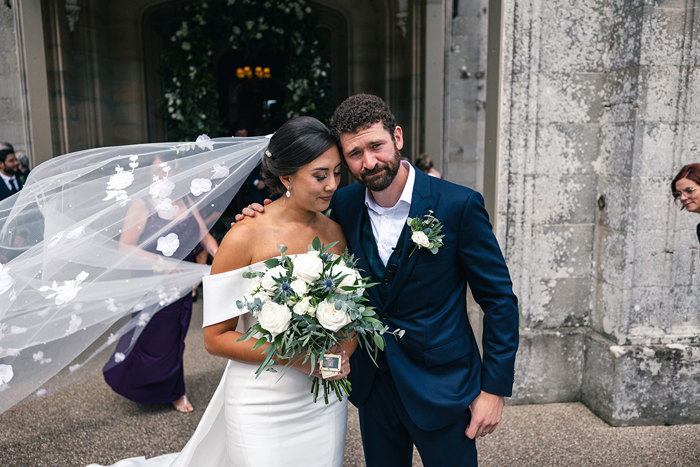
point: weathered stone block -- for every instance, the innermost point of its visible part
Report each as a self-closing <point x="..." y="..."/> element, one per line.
<point x="641" y="385"/>
<point x="612" y="254"/>
<point x="575" y="38"/>
<point x="653" y="202"/>
<point x="623" y="39"/>
<point x="564" y="199"/>
<point x="566" y="148"/>
<point x="561" y="251"/>
<point x="616" y="213"/>
<point x="557" y="303"/>
<point x="658" y="141"/>
<point x="652" y="321"/>
<point x="610" y="314"/>
<point x="652" y="259"/>
<point x="663" y="36"/>
<point x="621" y="87"/>
<point x="616" y="154"/>
<point x="548" y="366"/>
<point x="570" y="97"/>
<point x="660" y="89"/>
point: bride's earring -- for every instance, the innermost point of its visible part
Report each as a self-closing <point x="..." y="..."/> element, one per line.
<point x="288" y="194"/>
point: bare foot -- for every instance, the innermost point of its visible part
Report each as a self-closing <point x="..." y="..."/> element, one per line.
<point x="183" y="405"/>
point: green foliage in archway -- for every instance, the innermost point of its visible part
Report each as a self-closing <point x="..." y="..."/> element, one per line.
<point x="195" y="31"/>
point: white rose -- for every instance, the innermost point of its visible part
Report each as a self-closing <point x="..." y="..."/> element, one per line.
<point x="161" y="188"/>
<point x="268" y="280"/>
<point x="168" y="244"/>
<point x="219" y="171"/>
<point x="350" y="277"/>
<point x="166" y="209"/>
<point x="200" y="185"/>
<point x="6" y="374"/>
<point x="299" y="287"/>
<point x="330" y="318"/>
<point x="254" y="285"/>
<point x="304" y="307"/>
<point x="308" y="267"/>
<point x="420" y="238"/>
<point x="274" y="318"/>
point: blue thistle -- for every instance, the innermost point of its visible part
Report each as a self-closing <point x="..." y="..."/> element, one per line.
<point x="328" y="284"/>
<point x="286" y="288"/>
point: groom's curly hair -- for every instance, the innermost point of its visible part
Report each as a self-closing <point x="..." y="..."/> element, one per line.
<point x="362" y="111"/>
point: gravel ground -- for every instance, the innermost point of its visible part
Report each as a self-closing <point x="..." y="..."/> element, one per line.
<point x="86" y="422"/>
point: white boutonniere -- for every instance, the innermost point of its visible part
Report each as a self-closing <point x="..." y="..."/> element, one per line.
<point x="425" y="232"/>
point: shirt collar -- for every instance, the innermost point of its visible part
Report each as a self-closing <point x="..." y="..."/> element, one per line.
<point x="5" y="177"/>
<point x="406" y="194"/>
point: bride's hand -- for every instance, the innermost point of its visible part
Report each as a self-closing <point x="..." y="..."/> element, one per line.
<point x="344" y="365"/>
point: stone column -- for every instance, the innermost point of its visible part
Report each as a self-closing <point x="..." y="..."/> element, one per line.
<point x="24" y="103"/>
<point x="595" y="122"/>
<point x="642" y="359"/>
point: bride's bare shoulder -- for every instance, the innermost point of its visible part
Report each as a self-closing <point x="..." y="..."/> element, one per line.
<point x="334" y="233"/>
<point x="235" y="250"/>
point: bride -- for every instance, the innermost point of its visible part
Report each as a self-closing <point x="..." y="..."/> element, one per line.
<point x="270" y="419"/>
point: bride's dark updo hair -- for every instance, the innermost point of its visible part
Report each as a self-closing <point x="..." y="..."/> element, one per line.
<point x="296" y="143"/>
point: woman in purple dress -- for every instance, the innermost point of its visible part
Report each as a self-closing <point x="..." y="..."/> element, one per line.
<point x="150" y="370"/>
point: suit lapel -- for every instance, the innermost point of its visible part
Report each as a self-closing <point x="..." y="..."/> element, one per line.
<point x="422" y="201"/>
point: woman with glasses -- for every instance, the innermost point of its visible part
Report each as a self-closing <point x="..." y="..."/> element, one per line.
<point x="686" y="189"/>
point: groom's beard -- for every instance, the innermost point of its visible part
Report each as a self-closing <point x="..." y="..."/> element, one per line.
<point x="388" y="173"/>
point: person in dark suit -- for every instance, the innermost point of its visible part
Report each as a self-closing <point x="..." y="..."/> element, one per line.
<point x="685" y="188"/>
<point x="10" y="184"/>
<point x="431" y="388"/>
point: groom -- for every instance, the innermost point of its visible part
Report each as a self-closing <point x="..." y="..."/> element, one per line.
<point x="431" y="388"/>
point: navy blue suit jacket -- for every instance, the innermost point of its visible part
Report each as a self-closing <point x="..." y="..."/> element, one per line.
<point x="436" y="366"/>
<point x="5" y="192"/>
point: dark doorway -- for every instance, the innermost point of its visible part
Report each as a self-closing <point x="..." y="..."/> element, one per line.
<point x="251" y="91"/>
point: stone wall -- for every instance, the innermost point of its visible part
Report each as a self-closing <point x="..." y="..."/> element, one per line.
<point x="596" y="121"/>
<point x="12" y="99"/>
<point x="465" y="93"/>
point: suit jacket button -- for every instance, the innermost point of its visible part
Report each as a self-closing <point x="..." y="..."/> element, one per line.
<point x="386" y="281"/>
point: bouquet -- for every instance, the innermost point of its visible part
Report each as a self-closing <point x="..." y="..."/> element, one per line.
<point x="305" y="304"/>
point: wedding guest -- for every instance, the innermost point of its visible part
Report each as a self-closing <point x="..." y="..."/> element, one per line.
<point x="425" y="164"/>
<point x="152" y="371"/>
<point x="24" y="169"/>
<point x="8" y="171"/>
<point x="685" y="188"/>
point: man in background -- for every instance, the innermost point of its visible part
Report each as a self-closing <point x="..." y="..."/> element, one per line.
<point x="10" y="184"/>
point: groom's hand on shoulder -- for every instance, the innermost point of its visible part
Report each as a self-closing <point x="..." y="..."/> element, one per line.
<point x="486" y="412"/>
<point x="250" y="210"/>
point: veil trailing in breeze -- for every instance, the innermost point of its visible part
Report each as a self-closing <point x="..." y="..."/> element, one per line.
<point x="65" y="278"/>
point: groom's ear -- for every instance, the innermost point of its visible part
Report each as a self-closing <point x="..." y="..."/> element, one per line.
<point x="398" y="137"/>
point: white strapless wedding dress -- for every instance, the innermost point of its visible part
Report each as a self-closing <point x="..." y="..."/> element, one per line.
<point x="264" y="421"/>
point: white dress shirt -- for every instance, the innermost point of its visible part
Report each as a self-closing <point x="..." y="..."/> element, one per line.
<point x="387" y="223"/>
<point x="9" y="184"/>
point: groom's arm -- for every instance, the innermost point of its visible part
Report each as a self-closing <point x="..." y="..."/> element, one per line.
<point x="487" y="274"/>
<point x="488" y="277"/>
